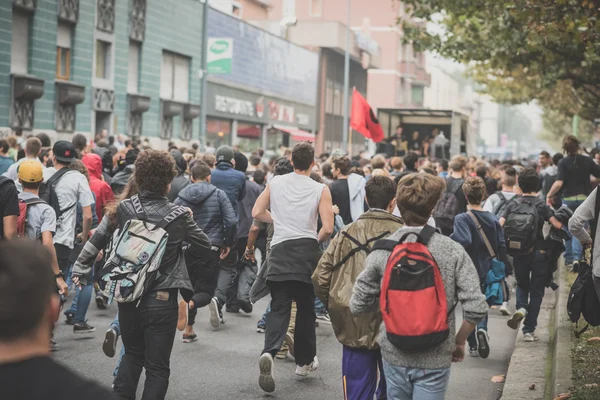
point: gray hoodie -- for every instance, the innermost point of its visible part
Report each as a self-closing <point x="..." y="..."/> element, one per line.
<point x="356" y="188"/>
<point x="585" y="213"/>
<point x="461" y="283"/>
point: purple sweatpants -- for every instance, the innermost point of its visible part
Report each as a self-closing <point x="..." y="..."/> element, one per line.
<point x="359" y="370"/>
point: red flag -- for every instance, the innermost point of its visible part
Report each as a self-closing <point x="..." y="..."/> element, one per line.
<point x="363" y="119"/>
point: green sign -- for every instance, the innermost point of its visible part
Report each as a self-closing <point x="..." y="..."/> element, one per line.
<point x="220" y="56"/>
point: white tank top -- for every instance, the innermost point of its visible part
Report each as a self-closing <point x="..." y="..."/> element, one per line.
<point x="294" y="207"/>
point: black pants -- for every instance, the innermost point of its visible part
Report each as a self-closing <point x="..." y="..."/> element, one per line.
<point x="205" y="283"/>
<point x="62" y="255"/>
<point x="232" y="294"/>
<point x="148" y="332"/>
<point x="305" y="340"/>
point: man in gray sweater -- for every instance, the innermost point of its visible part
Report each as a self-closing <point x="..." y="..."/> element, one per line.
<point x="423" y="374"/>
<point x="585" y="213"/>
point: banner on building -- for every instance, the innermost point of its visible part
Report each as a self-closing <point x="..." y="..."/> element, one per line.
<point x="219" y="58"/>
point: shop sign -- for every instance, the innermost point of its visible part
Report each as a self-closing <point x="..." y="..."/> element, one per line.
<point x="260" y="107"/>
<point x="281" y="112"/>
<point x="219" y="55"/>
<point x="231" y="105"/>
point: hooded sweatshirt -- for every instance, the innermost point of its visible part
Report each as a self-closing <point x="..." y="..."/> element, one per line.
<point x="212" y="210"/>
<point x="356" y="187"/>
<point x="101" y="189"/>
<point x="181" y="180"/>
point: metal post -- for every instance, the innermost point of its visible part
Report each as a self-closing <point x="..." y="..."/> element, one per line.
<point x="346" y="82"/>
<point x="203" y="104"/>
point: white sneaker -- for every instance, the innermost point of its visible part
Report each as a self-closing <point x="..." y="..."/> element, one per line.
<point x="473" y="352"/>
<point x="265" y="380"/>
<point x="516" y="319"/>
<point x="504" y="309"/>
<point x="304" y="370"/>
<point x="530" y="337"/>
<point x="215" y="317"/>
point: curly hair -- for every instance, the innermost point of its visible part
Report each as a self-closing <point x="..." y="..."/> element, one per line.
<point x="154" y="171"/>
<point x="474" y="189"/>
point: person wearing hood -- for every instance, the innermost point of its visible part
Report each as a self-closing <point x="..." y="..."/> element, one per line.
<point x="122" y="177"/>
<point x="213" y="214"/>
<point x="101" y="189"/>
<point x="226" y="178"/>
<point x="347" y="191"/>
<point x="182" y="179"/>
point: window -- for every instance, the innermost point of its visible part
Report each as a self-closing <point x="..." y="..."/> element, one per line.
<point x="103" y="55"/>
<point x="337" y="100"/>
<point x="289" y="8"/>
<point x="175" y="77"/>
<point x="133" y="67"/>
<point x="316" y="8"/>
<point x="329" y="97"/>
<point x="63" y="51"/>
<point x="20" y="43"/>
<point x="417" y="93"/>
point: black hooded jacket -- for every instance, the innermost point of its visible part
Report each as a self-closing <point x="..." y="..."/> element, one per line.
<point x="212" y="212"/>
<point x="180" y="181"/>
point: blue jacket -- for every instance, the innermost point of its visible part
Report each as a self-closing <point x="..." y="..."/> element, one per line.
<point x="5" y="162"/>
<point x="494" y="286"/>
<point x="466" y="233"/>
<point x="212" y="210"/>
<point x="232" y="182"/>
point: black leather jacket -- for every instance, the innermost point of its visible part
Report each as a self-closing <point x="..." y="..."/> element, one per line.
<point x="173" y="271"/>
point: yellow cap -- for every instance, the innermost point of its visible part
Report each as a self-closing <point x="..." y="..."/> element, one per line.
<point x="31" y="171"/>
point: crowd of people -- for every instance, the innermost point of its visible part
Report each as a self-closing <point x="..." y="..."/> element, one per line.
<point x="351" y="241"/>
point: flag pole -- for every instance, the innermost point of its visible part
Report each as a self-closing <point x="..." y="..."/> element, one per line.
<point x="346" y="127"/>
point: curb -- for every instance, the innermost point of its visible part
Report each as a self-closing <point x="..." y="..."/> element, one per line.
<point x="563" y="366"/>
<point x="531" y="368"/>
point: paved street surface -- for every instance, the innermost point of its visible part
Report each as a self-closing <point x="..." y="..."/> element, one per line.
<point x="222" y="364"/>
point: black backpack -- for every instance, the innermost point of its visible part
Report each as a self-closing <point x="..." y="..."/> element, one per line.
<point x="48" y="193"/>
<point x="501" y="206"/>
<point x="583" y="298"/>
<point x="521" y="227"/>
<point x="447" y="208"/>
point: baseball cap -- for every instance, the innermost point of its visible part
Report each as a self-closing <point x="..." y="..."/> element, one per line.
<point x="224" y="153"/>
<point x="64" y="151"/>
<point x="31" y="171"/>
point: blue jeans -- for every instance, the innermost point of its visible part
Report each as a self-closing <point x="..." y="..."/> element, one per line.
<point x="531" y="271"/>
<point x="404" y="383"/>
<point x="263" y="320"/>
<point x="117" y="328"/>
<point x="319" y="307"/>
<point x="81" y="301"/>
<point x="574" y="250"/>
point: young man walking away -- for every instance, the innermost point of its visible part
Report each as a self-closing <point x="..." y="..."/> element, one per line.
<point x="26" y="370"/>
<point x="215" y="216"/>
<point x="334" y="279"/>
<point x="148" y="325"/>
<point x="295" y="202"/>
<point x="453" y="201"/>
<point x="40" y="222"/>
<point x="480" y="233"/>
<point x="497" y="201"/>
<point x="527" y="246"/>
<point x="423" y="374"/>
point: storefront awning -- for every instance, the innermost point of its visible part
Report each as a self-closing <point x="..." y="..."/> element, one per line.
<point x="250" y="132"/>
<point x="297" y="134"/>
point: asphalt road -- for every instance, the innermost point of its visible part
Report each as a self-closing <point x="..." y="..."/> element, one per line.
<point x="223" y="363"/>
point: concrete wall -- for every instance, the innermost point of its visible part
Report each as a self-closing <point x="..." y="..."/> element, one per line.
<point x="444" y="91"/>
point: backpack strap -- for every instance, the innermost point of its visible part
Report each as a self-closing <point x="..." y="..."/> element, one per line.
<point x="137" y="207"/>
<point x="54" y="179"/>
<point x="385" y="244"/>
<point x="360" y="247"/>
<point x="482" y="234"/>
<point x="34" y="201"/>
<point x="501" y="196"/>
<point x="172" y="216"/>
<point x="426" y="233"/>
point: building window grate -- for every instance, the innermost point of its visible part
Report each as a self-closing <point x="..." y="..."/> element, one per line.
<point x="106" y="15"/>
<point x="65" y="118"/>
<point x="68" y="10"/>
<point x="104" y="100"/>
<point x="137" y="20"/>
<point x="29" y="5"/>
<point x="22" y="115"/>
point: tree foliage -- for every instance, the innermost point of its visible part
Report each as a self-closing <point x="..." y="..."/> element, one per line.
<point x="519" y="50"/>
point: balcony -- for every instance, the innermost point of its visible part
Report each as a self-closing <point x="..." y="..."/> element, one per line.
<point x="26" y="5"/>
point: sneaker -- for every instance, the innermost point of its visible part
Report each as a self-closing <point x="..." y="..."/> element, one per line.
<point x="182" y="315"/>
<point x="281" y="354"/>
<point x="216" y="318"/>
<point x="109" y="347"/>
<point x="289" y="340"/>
<point x="246" y="307"/>
<point x="265" y="380"/>
<point x="101" y="302"/>
<point x="261" y="327"/>
<point x="324" y="318"/>
<point x="516" y="319"/>
<point x="304" y="370"/>
<point x="473" y="352"/>
<point x="190" y="338"/>
<point x="530" y="337"/>
<point x="575" y="267"/>
<point x="70" y="318"/>
<point x="232" y="309"/>
<point x="83" y="328"/>
<point x="504" y="309"/>
<point x="483" y="343"/>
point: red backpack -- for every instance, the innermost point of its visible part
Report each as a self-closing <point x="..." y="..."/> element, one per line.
<point x="413" y="299"/>
<point x="22" y="219"/>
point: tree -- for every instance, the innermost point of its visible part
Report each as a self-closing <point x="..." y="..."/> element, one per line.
<point x="519" y="50"/>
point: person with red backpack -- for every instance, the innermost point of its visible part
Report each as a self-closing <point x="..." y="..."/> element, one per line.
<point x="37" y="220"/>
<point x="418" y="276"/>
